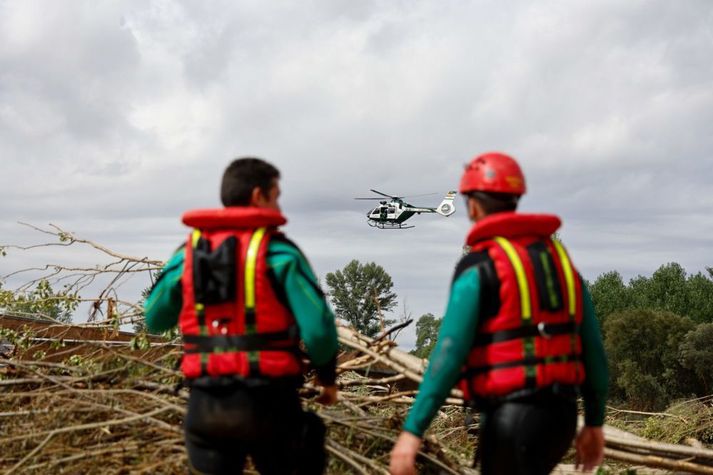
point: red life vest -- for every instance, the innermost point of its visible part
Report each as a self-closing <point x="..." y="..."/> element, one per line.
<point x="531" y="308"/>
<point x="232" y="321"/>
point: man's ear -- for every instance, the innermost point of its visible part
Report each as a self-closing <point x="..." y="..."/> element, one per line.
<point x="471" y="208"/>
<point x="475" y="210"/>
<point x="256" y="197"/>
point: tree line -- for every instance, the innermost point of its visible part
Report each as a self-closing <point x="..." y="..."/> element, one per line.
<point x="657" y="330"/>
<point x="658" y="333"/>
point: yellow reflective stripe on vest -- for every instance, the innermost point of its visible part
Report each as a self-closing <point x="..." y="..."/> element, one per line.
<point x="571" y="294"/>
<point x="514" y="258"/>
<point x="199" y="307"/>
<point x="528" y="343"/>
<point x="250" y="266"/>
<point x="568" y="276"/>
<point x="195" y="237"/>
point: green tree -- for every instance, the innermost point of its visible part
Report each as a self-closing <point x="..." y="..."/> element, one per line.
<point x="697" y="354"/>
<point x="669" y="289"/>
<point x="642" y="390"/>
<point x="700" y="297"/>
<point x="427" y="328"/>
<point x="666" y="289"/>
<point x="643" y="351"/>
<point x="41" y="302"/>
<point x="361" y="294"/>
<point x="609" y="294"/>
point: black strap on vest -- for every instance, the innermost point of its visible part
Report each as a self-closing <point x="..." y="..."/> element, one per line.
<point x="275" y="341"/>
<point x="529" y="361"/>
<point x="542" y="329"/>
<point x="489" y="281"/>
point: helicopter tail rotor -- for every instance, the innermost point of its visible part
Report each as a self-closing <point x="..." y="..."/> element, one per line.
<point x="447" y="206"/>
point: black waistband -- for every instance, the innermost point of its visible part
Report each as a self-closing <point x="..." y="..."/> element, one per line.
<point x="231" y="382"/>
<point x="284" y="340"/>
<point x="529" y="361"/>
<point x="544" y="330"/>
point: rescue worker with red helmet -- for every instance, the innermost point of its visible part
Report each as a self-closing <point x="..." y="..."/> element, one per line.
<point x="519" y="337"/>
<point x="244" y="296"/>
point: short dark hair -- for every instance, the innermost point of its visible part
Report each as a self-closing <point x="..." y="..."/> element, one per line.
<point x="495" y="202"/>
<point x="242" y="176"/>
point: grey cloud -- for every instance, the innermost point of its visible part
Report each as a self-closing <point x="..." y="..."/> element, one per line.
<point x="117" y="117"/>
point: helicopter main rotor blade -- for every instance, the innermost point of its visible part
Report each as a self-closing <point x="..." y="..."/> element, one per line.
<point x="416" y="196"/>
<point x="379" y="199"/>
<point x="384" y="194"/>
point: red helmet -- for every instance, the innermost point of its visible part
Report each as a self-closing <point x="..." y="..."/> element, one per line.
<point x="493" y="172"/>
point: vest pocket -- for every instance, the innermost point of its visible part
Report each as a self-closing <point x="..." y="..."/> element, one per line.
<point x="214" y="272"/>
<point x="549" y="288"/>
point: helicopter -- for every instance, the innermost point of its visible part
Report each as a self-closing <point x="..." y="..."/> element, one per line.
<point x="391" y="214"/>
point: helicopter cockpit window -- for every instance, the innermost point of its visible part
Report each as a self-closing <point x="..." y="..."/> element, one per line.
<point x="391" y="210"/>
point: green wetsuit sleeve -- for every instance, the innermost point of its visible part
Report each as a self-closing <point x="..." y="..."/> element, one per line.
<point x="596" y="383"/>
<point x="163" y="305"/>
<point x="455" y="339"/>
<point x="306" y="300"/>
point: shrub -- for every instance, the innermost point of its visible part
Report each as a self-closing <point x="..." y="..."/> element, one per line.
<point x="645" y="364"/>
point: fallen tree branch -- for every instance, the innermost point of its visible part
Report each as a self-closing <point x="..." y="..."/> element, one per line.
<point x="657" y="462"/>
<point x="93" y="425"/>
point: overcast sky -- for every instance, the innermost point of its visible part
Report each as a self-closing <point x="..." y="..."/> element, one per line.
<point x="115" y="117"/>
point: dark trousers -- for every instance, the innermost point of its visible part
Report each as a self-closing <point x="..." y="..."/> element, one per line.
<point x="528" y="436"/>
<point x="226" y="424"/>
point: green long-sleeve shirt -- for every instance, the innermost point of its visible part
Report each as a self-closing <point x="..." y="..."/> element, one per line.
<point x="292" y="272"/>
<point x="455" y="339"/>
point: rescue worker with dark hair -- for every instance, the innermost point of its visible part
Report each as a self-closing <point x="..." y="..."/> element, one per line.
<point x="519" y="335"/>
<point x="243" y="296"/>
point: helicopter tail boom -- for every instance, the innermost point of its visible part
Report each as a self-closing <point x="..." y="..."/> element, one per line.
<point x="447" y="206"/>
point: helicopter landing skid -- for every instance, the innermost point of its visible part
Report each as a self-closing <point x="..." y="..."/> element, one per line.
<point x="380" y="225"/>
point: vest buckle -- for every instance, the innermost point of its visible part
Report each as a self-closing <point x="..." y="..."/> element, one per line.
<point x="541" y="329"/>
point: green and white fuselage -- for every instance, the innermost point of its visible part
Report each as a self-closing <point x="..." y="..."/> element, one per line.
<point x="392" y="214"/>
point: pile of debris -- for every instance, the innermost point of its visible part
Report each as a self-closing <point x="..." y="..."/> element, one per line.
<point x="113" y="405"/>
<point x="109" y="407"/>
